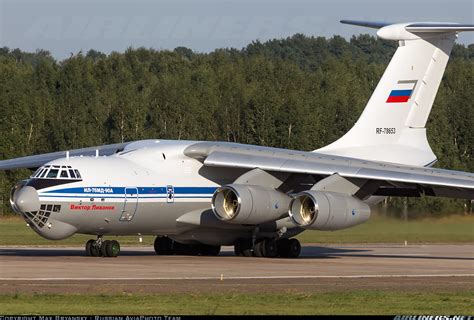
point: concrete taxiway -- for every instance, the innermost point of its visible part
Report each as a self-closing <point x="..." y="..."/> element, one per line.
<point x="320" y="268"/>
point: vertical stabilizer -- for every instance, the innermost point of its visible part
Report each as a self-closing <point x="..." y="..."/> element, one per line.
<point x="392" y="125"/>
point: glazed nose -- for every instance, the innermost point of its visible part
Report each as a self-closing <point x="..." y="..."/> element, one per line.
<point x="26" y="199"/>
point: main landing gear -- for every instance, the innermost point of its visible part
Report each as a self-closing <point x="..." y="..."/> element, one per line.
<point x="164" y="246"/>
<point x="268" y="247"/>
<point x="102" y="248"/>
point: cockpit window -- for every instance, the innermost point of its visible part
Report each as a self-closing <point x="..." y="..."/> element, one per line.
<point x="56" y="172"/>
<point x="36" y="172"/>
<point x="53" y="173"/>
<point x="43" y="174"/>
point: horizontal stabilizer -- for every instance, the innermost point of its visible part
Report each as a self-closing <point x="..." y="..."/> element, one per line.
<point x="417" y="26"/>
<point x="406" y="31"/>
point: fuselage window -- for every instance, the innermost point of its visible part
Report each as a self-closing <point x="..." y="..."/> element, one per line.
<point x="64" y="174"/>
<point x="78" y="175"/>
<point x="72" y="174"/>
<point x="53" y="173"/>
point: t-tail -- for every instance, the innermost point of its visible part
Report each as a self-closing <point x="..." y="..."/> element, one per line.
<point x="392" y="125"/>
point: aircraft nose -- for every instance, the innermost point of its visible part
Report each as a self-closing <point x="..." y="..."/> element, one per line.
<point x="26" y="199"/>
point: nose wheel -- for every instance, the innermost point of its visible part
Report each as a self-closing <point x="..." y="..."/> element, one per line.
<point x="101" y="248"/>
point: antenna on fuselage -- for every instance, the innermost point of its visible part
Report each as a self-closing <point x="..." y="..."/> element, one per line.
<point x="96" y="153"/>
<point x="67" y="154"/>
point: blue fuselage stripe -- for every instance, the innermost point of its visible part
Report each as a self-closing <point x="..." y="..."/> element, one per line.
<point x="119" y="192"/>
<point x="122" y="197"/>
<point x="132" y="190"/>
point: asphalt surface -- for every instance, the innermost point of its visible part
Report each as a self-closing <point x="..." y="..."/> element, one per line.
<point x="320" y="268"/>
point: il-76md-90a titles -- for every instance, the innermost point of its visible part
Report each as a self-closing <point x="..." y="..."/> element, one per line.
<point x="196" y="196"/>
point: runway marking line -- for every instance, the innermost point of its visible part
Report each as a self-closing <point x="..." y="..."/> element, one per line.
<point x="249" y="277"/>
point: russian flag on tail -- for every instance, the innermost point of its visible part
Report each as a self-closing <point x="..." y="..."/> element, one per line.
<point x="402" y="92"/>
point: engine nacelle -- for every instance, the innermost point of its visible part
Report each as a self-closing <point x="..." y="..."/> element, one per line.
<point x="249" y="204"/>
<point x="316" y="210"/>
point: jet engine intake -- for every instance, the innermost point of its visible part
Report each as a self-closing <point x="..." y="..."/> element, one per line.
<point x="316" y="210"/>
<point x="249" y="204"/>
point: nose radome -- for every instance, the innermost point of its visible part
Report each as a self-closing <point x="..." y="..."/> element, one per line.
<point x="26" y="199"/>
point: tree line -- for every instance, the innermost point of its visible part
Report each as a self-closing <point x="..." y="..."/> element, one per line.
<point x="300" y="92"/>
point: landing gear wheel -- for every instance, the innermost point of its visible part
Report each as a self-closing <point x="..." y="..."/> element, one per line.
<point x="178" y="248"/>
<point x="238" y="251"/>
<point x="258" y="249"/>
<point x="269" y="248"/>
<point x="294" y="248"/>
<point x="95" y="249"/>
<point x="112" y="248"/>
<point x="208" y="250"/>
<point x="243" y="247"/>
<point x="103" y="248"/>
<point x="248" y="252"/>
<point x="283" y="246"/>
<point x="89" y="244"/>
<point x="182" y="249"/>
<point x="99" y="248"/>
<point x="239" y="247"/>
<point x="163" y="246"/>
<point x="195" y="250"/>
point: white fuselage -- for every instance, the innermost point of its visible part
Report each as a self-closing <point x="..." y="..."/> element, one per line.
<point x="138" y="191"/>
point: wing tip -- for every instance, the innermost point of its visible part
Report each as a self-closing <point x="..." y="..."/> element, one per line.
<point x="368" y="24"/>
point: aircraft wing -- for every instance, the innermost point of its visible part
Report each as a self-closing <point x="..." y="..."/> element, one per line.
<point x="375" y="178"/>
<point x="36" y="161"/>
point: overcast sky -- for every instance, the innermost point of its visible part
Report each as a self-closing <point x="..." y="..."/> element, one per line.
<point x="68" y="26"/>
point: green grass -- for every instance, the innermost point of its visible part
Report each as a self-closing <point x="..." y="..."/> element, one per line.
<point x="379" y="229"/>
<point x="380" y="302"/>
<point x="453" y="229"/>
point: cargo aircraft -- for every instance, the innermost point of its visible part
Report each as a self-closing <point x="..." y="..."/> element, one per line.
<point x="196" y="196"/>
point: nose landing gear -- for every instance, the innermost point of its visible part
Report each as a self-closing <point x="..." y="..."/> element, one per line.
<point x="100" y="248"/>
